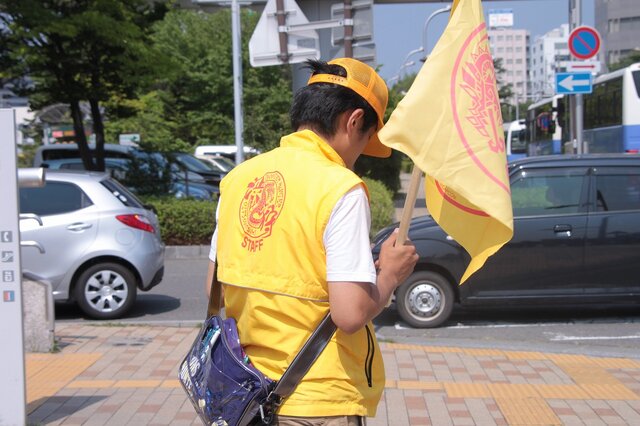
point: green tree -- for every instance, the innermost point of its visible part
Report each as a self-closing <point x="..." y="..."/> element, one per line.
<point x="82" y="50"/>
<point x="192" y="104"/>
<point x="387" y="170"/>
<point x="505" y="91"/>
<point x="631" y="58"/>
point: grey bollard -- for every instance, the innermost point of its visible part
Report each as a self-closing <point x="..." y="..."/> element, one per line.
<point x="38" y="314"/>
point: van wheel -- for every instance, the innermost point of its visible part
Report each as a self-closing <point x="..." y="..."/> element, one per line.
<point x="105" y="291"/>
<point x="425" y="299"/>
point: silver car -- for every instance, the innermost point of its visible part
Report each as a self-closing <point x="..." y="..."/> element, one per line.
<point x="96" y="243"/>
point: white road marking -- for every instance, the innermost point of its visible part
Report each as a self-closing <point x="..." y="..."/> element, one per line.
<point x="563" y="338"/>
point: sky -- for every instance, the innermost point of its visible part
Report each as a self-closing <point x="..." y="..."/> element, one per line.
<point x="398" y="28"/>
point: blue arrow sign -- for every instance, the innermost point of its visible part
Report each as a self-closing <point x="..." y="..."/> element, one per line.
<point x="570" y="83"/>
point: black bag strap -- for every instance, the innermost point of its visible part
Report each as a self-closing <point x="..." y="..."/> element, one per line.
<point x="303" y="361"/>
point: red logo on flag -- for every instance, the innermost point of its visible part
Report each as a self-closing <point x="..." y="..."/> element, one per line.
<point x="474" y="79"/>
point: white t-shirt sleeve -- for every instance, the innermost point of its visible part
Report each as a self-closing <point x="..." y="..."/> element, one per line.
<point x="214" y="238"/>
<point x="346" y="239"/>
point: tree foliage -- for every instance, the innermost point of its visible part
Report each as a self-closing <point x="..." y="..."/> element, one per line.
<point x="81" y="50"/>
<point x="192" y="103"/>
<point x="624" y="62"/>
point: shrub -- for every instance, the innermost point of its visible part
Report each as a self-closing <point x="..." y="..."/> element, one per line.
<point x="191" y="222"/>
<point x="382" y="209"/>
<point x="385" y="170"/>
<point x="184" y="221"/>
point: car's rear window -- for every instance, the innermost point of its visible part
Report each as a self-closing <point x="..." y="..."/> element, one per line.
<point x="53" y="198"/>
<point x="122" y="193"/>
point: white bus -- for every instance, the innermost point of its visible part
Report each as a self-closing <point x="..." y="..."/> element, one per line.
<point x="612" y="112"/>
<point x="515" y="140"/>
<point x="547" y="126"/>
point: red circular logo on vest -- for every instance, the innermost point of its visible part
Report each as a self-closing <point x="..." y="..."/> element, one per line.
<point x="476" y="105"/>
<point x="260" y="208"/>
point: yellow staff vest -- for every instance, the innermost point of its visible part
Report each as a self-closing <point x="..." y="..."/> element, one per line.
<point x="271" y="257"/>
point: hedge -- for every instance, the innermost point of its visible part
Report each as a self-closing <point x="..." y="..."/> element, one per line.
<point x="184" y="221"/>
<point x="191" y="222"/>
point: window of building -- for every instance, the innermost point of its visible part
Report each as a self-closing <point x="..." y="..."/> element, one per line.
<point x="630" y="23"/>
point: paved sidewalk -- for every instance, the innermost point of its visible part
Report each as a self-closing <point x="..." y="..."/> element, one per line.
<point x="126" y="375"/>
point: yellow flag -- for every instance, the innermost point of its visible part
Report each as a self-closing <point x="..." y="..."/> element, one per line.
<point x="450" y="125"/>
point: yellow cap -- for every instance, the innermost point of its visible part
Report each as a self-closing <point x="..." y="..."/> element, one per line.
<point x="366" y="82"/>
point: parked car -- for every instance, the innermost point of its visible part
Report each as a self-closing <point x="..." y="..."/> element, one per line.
<point x="46" y="153"/>
<point x="576" y="240"/>
<point x="228" y="151"/>
<point x="183" y="183"/>
<point x="100" y="243"/>
<point x="190" y="164"/>
<point x="222" y="163"/>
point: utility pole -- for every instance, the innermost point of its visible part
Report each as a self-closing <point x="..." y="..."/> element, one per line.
<point x="237" y="80"/>
<point x="576" y="101"/>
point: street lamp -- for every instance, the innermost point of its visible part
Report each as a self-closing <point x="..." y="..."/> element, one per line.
<point x="447" y="8"/>
<point x="236" y="53"/>
<point x="399" y="74"/>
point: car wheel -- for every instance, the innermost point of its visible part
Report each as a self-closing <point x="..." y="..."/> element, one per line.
<point x="105" y="291"/>
<point x="425" y="299"/>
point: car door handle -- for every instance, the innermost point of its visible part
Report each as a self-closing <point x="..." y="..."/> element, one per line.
<point x="562" y="230"/>
<point x="33" y="244"/>
<point x="79" y="226"/>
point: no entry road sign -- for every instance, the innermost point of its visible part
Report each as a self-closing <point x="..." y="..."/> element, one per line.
<point x="584" y="42"/>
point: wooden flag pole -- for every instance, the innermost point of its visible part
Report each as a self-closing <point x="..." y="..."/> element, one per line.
<point x="409" y="204"/>
<point x="407" y="211"/>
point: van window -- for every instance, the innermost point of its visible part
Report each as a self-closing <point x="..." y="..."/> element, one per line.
<point x="618" y="190"/>
<point x="547" y="192"/>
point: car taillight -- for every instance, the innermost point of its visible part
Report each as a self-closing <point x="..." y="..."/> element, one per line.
<point x="136" y="221"/>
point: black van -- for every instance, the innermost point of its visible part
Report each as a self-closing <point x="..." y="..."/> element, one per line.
<point x="576" y="240"/>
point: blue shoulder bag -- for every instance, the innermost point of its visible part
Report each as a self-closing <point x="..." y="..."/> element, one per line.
<point x="222" y="384"/>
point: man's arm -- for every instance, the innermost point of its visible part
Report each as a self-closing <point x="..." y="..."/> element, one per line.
<point x="354" y="304"/>
<point x="207" y="284"/>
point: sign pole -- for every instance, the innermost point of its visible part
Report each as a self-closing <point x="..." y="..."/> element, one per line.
<point x="578" y="97"/>
<point x="12" y="376"/>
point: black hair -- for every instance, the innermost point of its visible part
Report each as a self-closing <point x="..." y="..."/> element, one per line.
<point x="319" y="105"/>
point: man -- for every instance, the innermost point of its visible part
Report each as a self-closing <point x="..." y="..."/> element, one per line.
<point x="292" y="241"/>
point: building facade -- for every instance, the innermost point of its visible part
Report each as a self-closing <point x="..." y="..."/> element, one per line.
<point x="511" y="47"/>
<point x="618" y="22"/>
<point x="548" y="53"/>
